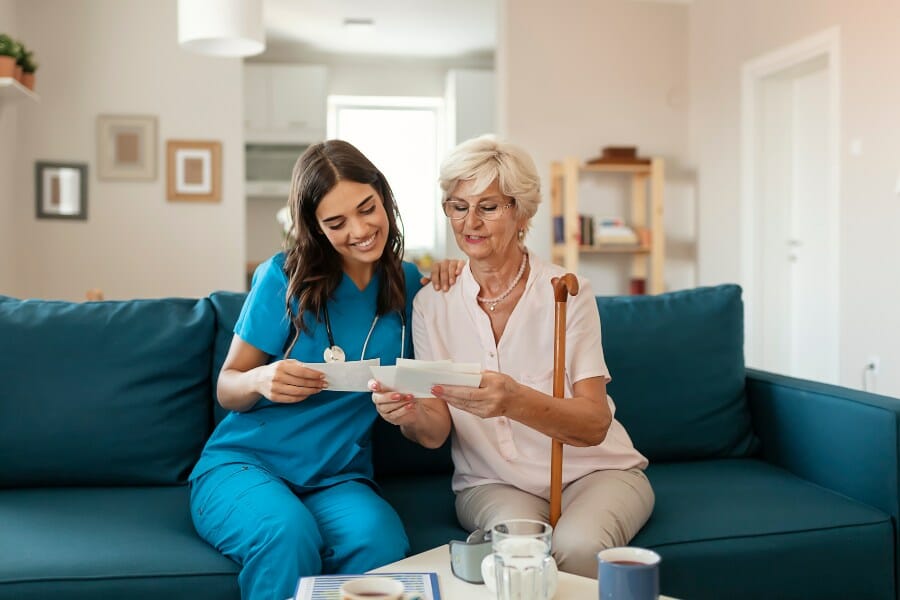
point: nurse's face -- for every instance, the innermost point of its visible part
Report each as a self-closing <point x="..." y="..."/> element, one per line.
<point x="353" y="218"/>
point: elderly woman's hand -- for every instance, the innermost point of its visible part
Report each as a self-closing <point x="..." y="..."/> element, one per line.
<point x="490" y="399"/>
<point x="394" y="407"/>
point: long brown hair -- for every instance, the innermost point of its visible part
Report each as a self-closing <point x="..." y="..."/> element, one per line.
<point x="313" y="266"/>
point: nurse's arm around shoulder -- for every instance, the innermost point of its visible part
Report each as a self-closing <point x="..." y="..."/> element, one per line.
<point x="247" y="375"/>
<point x="425" y="421"/>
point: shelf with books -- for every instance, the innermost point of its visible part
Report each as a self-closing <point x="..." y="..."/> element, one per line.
<point x="572" y="226"/>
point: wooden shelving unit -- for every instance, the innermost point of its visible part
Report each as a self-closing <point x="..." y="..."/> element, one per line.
<point x="647" y="180"/>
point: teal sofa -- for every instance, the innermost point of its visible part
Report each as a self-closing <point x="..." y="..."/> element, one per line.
<point x="766" y="486"/>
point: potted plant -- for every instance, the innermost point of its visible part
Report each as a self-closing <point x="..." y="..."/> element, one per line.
<point x="8" y="55"/>
<point x="20" y="56"/>
<point x="28" y="69"/>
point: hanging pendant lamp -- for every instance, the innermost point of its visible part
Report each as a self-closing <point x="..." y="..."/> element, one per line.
<point x="221" y="27"/>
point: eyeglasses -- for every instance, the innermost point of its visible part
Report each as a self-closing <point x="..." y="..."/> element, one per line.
<point x="487" y="211"/>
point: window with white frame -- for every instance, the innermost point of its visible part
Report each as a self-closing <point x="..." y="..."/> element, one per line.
<point x="402" y="136"/>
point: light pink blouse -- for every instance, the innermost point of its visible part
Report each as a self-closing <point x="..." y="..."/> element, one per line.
<point x="500" y="450"/>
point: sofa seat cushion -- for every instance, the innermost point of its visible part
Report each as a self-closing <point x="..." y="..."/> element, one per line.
<point x="426" y="507"/>
<point x="737" y="528"/>
<point x="68" y="543"/>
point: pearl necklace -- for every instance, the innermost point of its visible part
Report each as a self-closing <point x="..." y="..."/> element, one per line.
<point x="493" y="302"/>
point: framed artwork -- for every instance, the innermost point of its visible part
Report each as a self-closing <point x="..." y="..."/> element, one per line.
<point x="126" y="147"/>
<point x="194" y="171"/>
<point x="60" y="190"/>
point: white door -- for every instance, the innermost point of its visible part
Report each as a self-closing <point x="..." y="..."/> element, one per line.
<point x="796" y="262"/>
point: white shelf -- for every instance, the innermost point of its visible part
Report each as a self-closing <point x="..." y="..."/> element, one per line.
<point x="10" y="89"/>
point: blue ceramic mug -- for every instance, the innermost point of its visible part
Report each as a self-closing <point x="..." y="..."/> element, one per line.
<point x="628" y="574"/>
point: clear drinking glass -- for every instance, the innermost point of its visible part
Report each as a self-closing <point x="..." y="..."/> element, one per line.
<point x="522" y="561"/>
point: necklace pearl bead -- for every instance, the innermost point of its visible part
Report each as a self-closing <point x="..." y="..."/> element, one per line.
<point x="493" y="302"/>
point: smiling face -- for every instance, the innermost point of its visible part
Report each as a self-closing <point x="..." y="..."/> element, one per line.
<point x="485" y="239"/>
<point x="353" y="218"/>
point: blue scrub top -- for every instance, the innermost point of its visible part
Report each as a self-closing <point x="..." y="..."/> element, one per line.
<point x="324" y="439"/>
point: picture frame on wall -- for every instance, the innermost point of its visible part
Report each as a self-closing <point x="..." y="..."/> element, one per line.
<point x="126" y="147"/>
<point x="60" y="190"/>
<point x="193" y="171"/>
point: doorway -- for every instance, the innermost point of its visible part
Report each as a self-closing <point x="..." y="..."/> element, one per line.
<point x="790" y="217"/>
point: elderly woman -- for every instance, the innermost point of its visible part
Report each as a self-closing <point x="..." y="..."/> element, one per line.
<point x="501" y="314"/>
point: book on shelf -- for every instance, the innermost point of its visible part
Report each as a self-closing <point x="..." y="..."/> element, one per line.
<point x="559" y="231"/>
<point x="327" y="587"/>
<point x="586" y="229"/>
<point x="599" y="231"/>
<point x="613" y="230"/>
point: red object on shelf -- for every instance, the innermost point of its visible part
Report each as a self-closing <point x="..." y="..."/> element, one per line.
<point x="638" y="286"/>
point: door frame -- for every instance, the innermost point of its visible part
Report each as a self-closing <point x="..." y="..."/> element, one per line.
<point x="825" y="43"/>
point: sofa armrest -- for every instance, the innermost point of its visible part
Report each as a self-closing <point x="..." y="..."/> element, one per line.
<point x="842" y="439"/>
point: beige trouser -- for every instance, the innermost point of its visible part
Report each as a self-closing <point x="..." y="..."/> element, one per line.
<point x="603" y="509"/>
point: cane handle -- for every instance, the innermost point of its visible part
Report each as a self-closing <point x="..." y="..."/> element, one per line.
<point x="564" y="286"/>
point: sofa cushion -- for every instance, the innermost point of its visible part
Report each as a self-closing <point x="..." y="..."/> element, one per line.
<point x="677" y="367"/>
<point x="88" y="543"/>
<point x="103" y="393"/>
<point x="227" y="306"/>
<point x="753" y="530"/>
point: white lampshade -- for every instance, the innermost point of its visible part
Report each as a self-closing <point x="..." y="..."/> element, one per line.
<point x="221" y="27"/>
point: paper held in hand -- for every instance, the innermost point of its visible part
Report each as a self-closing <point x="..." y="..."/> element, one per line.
<point x="350" y="376"/>
<point x="417" y="377"/>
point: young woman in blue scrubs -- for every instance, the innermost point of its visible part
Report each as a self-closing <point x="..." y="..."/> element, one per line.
<point x="284" y="485"/>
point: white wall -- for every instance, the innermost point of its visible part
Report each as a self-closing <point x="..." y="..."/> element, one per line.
<point x="727" y="33"/>
<point x="121" y="57"/>
<point x="579" y="75"/>
<point x="8" y="197"/>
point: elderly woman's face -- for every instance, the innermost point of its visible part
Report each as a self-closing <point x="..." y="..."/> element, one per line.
<point x="484" y="224"/>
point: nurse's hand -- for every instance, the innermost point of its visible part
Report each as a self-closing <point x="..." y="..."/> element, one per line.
<point x="394" y="407"/>
<point x="444" y="273"/>
<point x="289" y="381"/>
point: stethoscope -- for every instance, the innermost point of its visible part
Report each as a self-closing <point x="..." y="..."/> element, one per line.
<point x="334" y="353"/>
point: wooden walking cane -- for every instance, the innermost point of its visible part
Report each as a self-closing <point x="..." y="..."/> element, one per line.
<point x="562" y="288"/>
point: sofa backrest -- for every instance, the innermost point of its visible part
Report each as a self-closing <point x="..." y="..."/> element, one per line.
<point x="227" y="308"/>
<point x="677" y="367"/>
<point x="103" y="393"/>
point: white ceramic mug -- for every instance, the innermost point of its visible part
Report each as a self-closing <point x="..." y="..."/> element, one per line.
<point x="522" y="548"/>
<point x="374" y="588"/>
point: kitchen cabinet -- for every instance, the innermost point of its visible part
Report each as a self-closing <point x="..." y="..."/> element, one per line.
<point x="284" y="103"/>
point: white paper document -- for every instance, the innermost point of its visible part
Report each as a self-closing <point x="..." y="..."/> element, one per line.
<point x="417" y="377"/>
<point x="350" y="376"/>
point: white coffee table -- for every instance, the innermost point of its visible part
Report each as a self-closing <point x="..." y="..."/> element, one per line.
<point x="437" y="560"/>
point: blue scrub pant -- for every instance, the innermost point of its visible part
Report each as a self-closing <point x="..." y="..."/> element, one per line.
<point x="255" y="519"/>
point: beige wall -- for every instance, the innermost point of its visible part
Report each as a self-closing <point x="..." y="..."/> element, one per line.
<point x="121" y="57"/>
<point x="578" y="75"/>
<point x="724" y="35"/>
<point x="8" y="115"/>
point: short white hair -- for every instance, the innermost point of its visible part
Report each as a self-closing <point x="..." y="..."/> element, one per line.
<point x="484" y="159"/>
